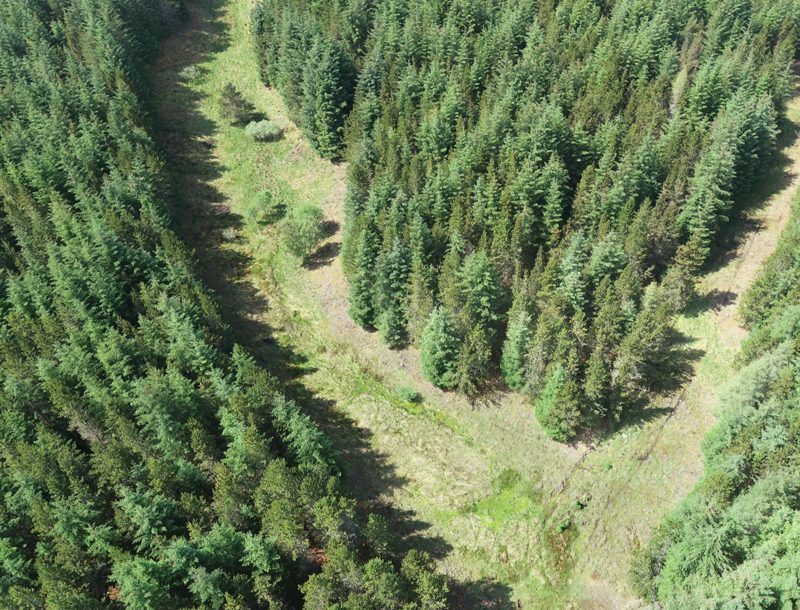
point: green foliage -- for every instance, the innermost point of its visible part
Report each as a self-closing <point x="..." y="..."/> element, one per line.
<point x="408" y="394"/>
<point x="439" y="349"/>
<point x="302" y="229"/>
<point x="380" y="536"/>
<point x="264" y="208"/>
<point x="310" y="67"/>
<point x="145" y="461"/>
<point x="393" y="274"/>
<point x="363" y="286"/>
<point x="515" y="350"/>
<point x="474" y="361"/>
<point x="733" y="543"/>
<point x="557" y="406"/>
<point x="263" y="131"/>
<point x="142" y="583"/>
<point x="325" y="102"/>
<point x="481" y="296"/>
<point x="190" y="73"/>
<point x="607" y="142"/>
<point x="378" y="586"/>
<point x="645" y="353"/>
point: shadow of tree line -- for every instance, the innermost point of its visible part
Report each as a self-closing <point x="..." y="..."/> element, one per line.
<point x="200" y="214"/>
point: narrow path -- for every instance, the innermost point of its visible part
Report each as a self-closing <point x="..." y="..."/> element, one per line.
<point x="468" y="482"/>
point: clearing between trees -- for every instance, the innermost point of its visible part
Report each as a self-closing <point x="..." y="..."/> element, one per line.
<point x="516" y="519"/>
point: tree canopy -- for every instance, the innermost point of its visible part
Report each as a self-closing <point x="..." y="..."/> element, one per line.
<point x="607" y="140"/>
<point x="145" y="461"/>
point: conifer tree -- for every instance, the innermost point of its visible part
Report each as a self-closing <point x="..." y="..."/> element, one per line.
<point x="643" y="353"/>
<point x="493" y="150"/>
<point x="474" y="361"/>
<point x="481" y="297"/>
<point x="439" y="349"/>
<point x="325" y="98"/>
<point x="557" y="406"/>
<point x="393" y="286"/>
<point x="515" y="350"/>
<point x="448" y="273"/>
<point x="362" y="288"/>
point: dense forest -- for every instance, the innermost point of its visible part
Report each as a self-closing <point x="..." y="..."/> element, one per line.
<point x="532" y="189"/>
<point x="735" y="541"/>
<point x="534" y="185"/>
<point x="146" y="462"/>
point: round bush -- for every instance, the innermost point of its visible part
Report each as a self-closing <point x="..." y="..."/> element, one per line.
<point x="409" y="394"/>
<point x="303" y="230"/>
<point x="263" y="131"/>
<point x="190" y="73"/>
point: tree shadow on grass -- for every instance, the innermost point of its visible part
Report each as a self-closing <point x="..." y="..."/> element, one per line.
<point x="323" y="256"/>
<point x="204" y="219"/>
<point x="678" y="366"/>
<point x="327" y="253"/>
<point x="675" y="368"/>
<point x="714" y="300"/>
<point x="484" y="593"/>
<point x="206" y="222"/>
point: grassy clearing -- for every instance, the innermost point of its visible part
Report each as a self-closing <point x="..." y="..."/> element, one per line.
<point x="510" y="515"/>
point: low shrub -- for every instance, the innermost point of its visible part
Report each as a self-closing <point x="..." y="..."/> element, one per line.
<point x="264" y="208"/>
<point x="190" y="73"/>
<point x="263" y="131"/>
<point x="409" y="394"/>
<point x="303" y="230"/>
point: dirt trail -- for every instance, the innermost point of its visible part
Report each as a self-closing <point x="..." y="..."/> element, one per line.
<point x="437" y="465"/>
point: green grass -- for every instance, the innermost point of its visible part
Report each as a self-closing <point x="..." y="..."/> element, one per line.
<point x="481" y="479"/>
<point x="514" y="498"/>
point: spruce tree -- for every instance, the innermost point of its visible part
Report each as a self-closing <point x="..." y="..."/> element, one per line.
<point x="325" y="98"/>
<point x="481" y="297"/>
<point x="439" y="349"/>
<point x="558" y="405"/>
<point x="421" y="296"/>
<point x="448" y="273"/>
<point x="643" y="354"/>
<point x="362" y="287"/>
<point x="421" y="300"/>
<point x="515" y="350"/>
<point x="392" y="297"/>
<point x="474" y="361"/>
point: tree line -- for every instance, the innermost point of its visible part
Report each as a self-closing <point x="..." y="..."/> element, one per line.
<point x="734" y="542"/>
<point x="534" y="185"/>
<point x="145" y="460"/>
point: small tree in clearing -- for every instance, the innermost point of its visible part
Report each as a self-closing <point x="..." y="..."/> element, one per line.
<point x="263" y="208"/>
<point x="303" y="230"/>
